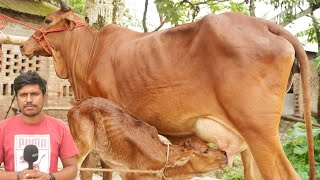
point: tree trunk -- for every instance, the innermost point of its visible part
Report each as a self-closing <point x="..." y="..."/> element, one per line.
<point x="315" y="25"/>
<point x="117" y="11"/>
<point x="279" y="19"/>
<point x="318" y="108"/>
<point x="252" y="8"/>
<point x="102" y="12"/>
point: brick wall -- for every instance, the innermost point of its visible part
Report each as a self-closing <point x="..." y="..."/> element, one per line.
<point x="59" y="94"/>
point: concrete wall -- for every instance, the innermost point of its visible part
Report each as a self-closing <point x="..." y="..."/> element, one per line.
<point x="314" y="87"/>
<point x="288" y="104"/>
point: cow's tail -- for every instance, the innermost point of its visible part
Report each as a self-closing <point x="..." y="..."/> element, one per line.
<point x="304" y="64"/>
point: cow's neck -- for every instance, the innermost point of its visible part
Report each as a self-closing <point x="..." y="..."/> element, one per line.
<point x="79" y="52"/>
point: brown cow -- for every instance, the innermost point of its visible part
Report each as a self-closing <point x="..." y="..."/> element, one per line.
<point x="228" y="70"/>
<point x="100" y="127"/>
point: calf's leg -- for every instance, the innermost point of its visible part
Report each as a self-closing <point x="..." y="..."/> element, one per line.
<point x="91" y="161"/>
<point x="83" y="134"/>
<point x="106" y="175"/>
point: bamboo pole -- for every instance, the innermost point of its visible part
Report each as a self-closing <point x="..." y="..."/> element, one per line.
<point x="297" y="119"/>
<point x="10" y="39"/>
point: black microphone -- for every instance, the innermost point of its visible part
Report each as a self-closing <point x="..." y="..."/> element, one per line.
<point x="30" y="155"/>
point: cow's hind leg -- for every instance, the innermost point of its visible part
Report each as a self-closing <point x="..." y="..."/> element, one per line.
<point x="264" y="143"/>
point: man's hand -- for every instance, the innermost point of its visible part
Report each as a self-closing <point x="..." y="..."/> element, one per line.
<point x="33" y="174"/>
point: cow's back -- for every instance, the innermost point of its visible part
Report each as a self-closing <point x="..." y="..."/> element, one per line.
<point x="171" y="77"/>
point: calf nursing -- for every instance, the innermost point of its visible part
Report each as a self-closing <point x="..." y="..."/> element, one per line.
<point x="122" y="142"/>
<point x="227" y="70"/>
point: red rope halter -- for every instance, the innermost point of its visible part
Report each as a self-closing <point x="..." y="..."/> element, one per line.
<point x="43" y="32"/>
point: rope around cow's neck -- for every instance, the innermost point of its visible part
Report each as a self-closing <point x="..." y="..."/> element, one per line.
<point x="158" y="172"/>
<point x="43" y="32"/>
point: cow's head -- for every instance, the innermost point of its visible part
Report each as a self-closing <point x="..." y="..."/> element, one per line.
<point x="47" y="40"/>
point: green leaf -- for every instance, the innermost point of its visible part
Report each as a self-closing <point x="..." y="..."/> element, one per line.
<point x="300" y="150"/>
<point x="304" y="175"/>
<point x="317" y="147"/>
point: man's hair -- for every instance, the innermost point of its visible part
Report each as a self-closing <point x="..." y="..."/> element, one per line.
<point x="29" y="78"/>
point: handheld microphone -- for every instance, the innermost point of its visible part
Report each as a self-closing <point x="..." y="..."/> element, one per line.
<point x="30" y="155"/>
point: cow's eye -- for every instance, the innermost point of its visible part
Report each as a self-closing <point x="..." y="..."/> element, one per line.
<point x="205" y="151"/>
<point x="47" y="21"/>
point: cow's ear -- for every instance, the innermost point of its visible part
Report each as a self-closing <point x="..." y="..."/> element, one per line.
<point x="70" y="21"/>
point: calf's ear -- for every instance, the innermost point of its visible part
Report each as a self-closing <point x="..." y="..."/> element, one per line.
<point x="179" y="162"/>
<point x="74" y="102"/>
<point x="94" y="115"/>
<point x="187" y="143"/>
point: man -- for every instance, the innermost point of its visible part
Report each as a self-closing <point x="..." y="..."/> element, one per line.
<point x="32" y="126"/>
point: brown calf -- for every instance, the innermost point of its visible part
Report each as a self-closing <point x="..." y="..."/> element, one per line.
<point x="122" y="142"/>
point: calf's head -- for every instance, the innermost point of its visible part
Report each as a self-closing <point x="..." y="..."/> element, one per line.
<point x="196" y="157"/>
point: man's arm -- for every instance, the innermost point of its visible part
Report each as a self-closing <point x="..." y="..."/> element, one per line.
<point x="68" y="172"/>
<point x="8" y="175"/>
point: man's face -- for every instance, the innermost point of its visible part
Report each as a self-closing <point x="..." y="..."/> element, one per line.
<point x="30" y="100"/>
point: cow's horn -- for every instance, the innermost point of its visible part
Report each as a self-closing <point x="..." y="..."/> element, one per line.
<point x="64" y="6"/>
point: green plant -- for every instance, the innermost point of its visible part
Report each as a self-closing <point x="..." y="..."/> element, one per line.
<point x="296" y="149"/>
<point x="234" y="173"/>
